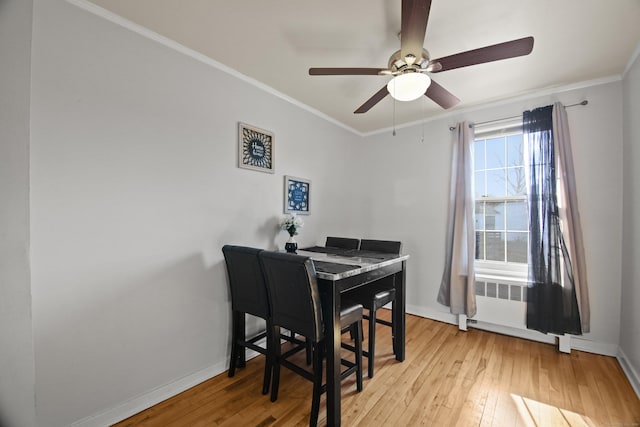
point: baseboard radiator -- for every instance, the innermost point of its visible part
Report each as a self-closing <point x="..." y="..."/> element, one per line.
<point x="502" y="308"/>
<point x="501" y="302"/>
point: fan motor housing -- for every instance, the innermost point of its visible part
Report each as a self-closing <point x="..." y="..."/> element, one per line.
<point x="400" y="64"/>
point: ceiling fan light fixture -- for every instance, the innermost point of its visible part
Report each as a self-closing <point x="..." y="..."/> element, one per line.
<point x="408" y="86"/>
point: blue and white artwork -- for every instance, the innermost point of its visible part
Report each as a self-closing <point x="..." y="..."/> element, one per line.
<point x="297" y="195"/>
<point x="256" y="148"/>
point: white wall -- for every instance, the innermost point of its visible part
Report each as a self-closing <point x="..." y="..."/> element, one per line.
<point x="630" y="316"/>
<point x="134" y="191"/>
<point x="408" y="198"/>
<point x="17" y="400"/>
<point x="419" y="187"/>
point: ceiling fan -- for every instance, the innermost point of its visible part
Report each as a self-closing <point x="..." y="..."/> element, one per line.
<point x="412" y="62"/>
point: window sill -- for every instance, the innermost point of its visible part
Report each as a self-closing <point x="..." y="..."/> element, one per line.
<point x="501" y="272"/>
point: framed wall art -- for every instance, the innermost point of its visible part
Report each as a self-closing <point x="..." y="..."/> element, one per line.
<point x="255" y="148"/>
<point x="297" y="195"/>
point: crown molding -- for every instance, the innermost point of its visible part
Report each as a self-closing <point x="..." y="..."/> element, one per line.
<point x="165" y="41"/>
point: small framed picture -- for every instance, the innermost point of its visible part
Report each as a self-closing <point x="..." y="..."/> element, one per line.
<point x="297" y="195"/>
<point x="255" y="148"/>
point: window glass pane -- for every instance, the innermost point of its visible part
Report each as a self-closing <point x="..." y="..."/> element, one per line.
<point x="501" y="224"/>
<point x="479" y="215"/>
<point x="495" y="152"/>
<point x="517" y="216"/>
<point x="479" y="185"/>
<point x="479" y="245"/>
<point x="479" y="154"/>
<point x="494" y="216"/>
<point x="496" y="183"/>
<point x="516" y="182"/>
<point x="515" y="150"/>
<point x="517" y="247"/>
<point x="494" y="245"/>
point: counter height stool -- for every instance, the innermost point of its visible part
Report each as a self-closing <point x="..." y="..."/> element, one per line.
<point x="296" y="305"/>
<point x="375" y="296"/>
<point x="249" y="296"/>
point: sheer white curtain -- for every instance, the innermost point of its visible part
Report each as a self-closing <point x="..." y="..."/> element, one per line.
<point x="569" y="213"/>
<point x="457" y="289"/>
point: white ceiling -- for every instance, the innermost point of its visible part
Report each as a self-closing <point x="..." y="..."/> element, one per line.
<point x="276" y="41"/>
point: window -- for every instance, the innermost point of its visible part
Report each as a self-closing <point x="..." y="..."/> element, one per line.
<point x="501" y="218"/>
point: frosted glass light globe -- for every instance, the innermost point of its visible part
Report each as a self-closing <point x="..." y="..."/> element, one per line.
<point x="408" y="86"/>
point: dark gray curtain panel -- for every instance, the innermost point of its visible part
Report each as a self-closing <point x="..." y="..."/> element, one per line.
<point x="552" y="305"/>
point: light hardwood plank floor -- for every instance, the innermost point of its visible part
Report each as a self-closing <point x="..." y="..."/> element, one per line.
<point x="449" y="378"/>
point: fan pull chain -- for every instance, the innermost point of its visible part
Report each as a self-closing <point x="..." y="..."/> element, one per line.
<point x="394" y="118"/>
<point x="394" y="113"/>
<point x="423" y="118"/>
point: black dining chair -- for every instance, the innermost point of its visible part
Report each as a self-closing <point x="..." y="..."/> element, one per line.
<point x="375" y="296"/>
<point x="296" y="305"/>
<point x="342" y="242"/>
<point x="249" y="296"/>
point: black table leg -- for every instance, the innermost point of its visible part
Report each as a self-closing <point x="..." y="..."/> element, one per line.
<point x="399" y="311"/>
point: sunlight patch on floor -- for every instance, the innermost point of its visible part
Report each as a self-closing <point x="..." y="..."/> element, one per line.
<point x="534" y="414"/>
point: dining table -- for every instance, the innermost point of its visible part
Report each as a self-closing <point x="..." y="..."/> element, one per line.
<point x="340" y="270"/>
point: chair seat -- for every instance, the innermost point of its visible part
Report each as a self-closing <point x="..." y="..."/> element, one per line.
<point x="371" y="299"/>
<point x="382" y="298"/>
<point x="351" y="314"/>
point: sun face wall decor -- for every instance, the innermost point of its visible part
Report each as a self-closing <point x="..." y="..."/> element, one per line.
<point x="297" y="195"/>
<point x="255" y="148"/>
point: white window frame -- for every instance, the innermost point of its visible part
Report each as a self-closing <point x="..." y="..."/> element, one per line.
<point x="500" y="270"/>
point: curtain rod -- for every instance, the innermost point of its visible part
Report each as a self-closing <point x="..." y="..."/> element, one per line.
<point x="585" y="102"/>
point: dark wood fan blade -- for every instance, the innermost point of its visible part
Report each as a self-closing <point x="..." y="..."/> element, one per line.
<point x="441" y="96"/>
<point x="415" y="14"/>
<point x="345" y="71"/>
<point x="495" y="52"/>
<point x="379" y="96"/>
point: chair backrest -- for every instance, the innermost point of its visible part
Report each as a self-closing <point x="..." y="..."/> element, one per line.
<point x="293" y="293"/>
<point x="342" y="242"/>
<point x="246" y="280"/>
<point x="386" y="246"/>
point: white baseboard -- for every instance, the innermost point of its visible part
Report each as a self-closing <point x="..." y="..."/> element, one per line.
<point x="427" y="313"/>
<point x="629" y="371"/>
<point x="603" y="348"/>
<point x="577" y="343"/>
<point x="147" y="400"/>
<point x="160" y="394"/>
<point x="515" y="332"/>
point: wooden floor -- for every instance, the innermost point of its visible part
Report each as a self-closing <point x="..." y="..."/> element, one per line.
<point x="449" y="378"/>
